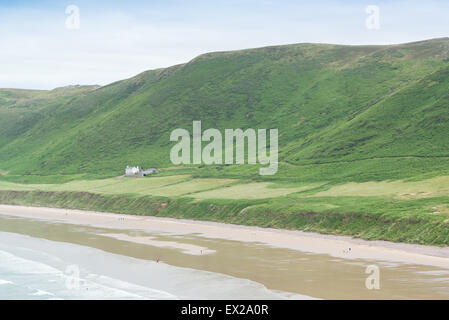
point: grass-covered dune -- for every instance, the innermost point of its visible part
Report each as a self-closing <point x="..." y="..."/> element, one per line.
<point x="363" y="140"/>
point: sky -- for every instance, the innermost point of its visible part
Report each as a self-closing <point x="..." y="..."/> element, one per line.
<point x="49" y="44"/>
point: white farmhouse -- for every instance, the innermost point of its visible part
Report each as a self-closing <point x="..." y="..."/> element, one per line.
<point x="133" y="172"/>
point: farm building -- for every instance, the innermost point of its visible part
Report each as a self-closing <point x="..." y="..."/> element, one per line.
<point x="138" y="172"/>
<point x="133" y="172"/>
<point x="150" y="171"/>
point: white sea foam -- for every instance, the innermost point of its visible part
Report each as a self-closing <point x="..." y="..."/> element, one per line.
<point x="127" y="288"/>
<point x="42" y="293"/>
<point x="10" y="262"/>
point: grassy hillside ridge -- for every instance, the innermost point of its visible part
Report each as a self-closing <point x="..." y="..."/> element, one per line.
<point x="22" y="109"/>
<point x="351" y="106"/>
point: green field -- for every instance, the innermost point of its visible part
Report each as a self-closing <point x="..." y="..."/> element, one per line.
<point x="167" y="186"/>
<point x="363" y="140"/>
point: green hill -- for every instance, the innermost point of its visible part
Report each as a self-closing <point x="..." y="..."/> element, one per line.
<point x="332" y="104"/>
<point x="363" y="140"/>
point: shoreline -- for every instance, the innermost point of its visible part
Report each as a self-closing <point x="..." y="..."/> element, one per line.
<point x="337" y="246"/>
<point x="34" y="268"/>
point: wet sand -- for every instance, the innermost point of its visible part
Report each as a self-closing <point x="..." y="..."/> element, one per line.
<point x="184" y="247"/>
<point x="336" y="246"/>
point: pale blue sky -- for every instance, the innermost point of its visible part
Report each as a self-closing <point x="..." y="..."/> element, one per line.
<point x="118" y="39"/>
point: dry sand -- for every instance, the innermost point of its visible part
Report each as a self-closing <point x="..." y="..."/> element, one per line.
<point x="337" y="246"/>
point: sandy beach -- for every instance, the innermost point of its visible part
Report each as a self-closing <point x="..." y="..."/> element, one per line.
<point x="335" y="246"/>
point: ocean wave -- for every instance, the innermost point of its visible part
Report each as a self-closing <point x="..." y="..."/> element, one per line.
<point x="127" y="288"/>
<point x="17" y="264"/>
<point x="41" y="293"/>
<point x="2" y="282"/>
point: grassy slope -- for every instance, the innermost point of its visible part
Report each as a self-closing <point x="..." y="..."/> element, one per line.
<point x="20" y="110"/>
<point x="349" y="117"/>
<point x="330" y="103"/>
